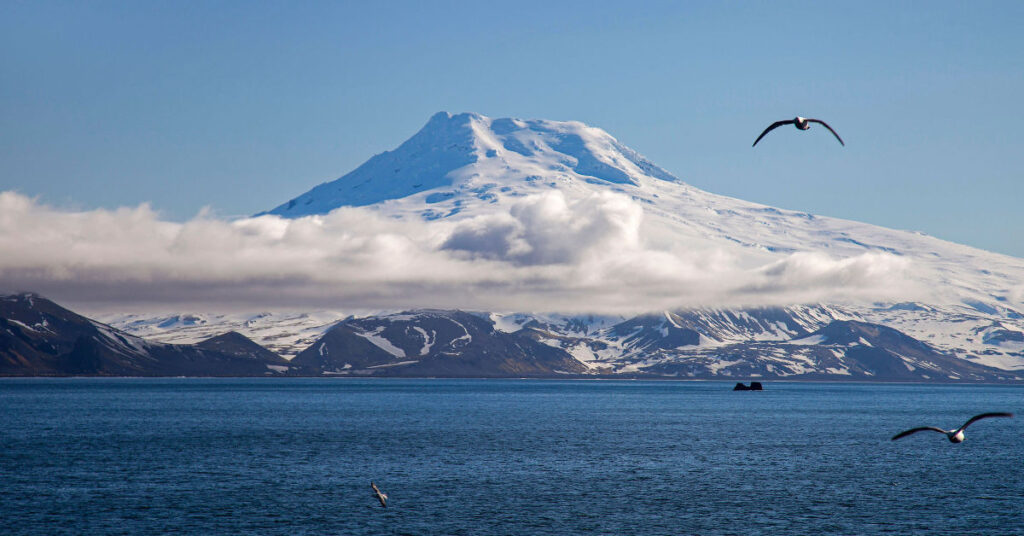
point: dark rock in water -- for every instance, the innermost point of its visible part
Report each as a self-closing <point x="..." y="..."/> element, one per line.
<point x="754" y="386"/>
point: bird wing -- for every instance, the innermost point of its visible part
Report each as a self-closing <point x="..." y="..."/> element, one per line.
<point x="983" y="416"/>
<point x="772" y="127"/>
<point x="905" y="433"/>
<point x="824" y="124"/>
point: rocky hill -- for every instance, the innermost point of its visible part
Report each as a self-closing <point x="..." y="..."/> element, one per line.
<point x="40" y="338"/>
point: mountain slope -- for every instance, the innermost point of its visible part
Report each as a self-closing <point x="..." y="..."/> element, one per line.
<point x="432" y="343"/>
<point x="447" y="143"/>
<point x="40" y="338"/>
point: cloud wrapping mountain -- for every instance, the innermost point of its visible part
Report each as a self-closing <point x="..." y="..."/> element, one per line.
<point x="543" y="253"/>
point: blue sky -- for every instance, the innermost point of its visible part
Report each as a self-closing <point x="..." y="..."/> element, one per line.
<point x="241" y="106"/>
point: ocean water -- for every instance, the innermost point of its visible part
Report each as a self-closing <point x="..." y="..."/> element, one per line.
<point x="503" y="457"/>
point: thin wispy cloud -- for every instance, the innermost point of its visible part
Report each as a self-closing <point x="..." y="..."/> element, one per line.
<point x="541" y="253"/>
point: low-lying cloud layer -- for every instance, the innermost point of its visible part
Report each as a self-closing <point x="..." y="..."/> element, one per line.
<point x="543" y="253"/>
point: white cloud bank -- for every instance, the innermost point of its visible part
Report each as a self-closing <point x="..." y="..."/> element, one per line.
<point x="543" y="253"/>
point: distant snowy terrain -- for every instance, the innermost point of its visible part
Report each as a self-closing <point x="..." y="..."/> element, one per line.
<point x="606" y="341"/>
<point x="283" y="333"/>
<point x="551" y="195"/>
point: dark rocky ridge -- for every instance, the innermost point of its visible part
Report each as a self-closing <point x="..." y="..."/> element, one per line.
<point x="40" y="338"/>
<point x="433" y="343"/>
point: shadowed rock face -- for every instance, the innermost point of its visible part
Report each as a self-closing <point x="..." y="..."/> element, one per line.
<point x="878" y="351"/>
<point x="235" y="344"/>
<point x="432" y="343"/>
<point x="40" y="338"/>
<point x="1004" y="335"/>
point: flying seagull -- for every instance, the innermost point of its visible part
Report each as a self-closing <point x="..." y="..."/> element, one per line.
<point x="800" y="123"/>
<point x="381" y="496"/>
<point x="955" y="436"/>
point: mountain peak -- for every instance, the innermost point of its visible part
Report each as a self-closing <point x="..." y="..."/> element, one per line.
<point x="461" y="150"/>
<point x="444" y="117"/>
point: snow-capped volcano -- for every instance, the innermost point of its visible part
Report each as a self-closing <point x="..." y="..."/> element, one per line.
<point x="543" y="192"/>
<point x="476" y="154"/>
<point x="535" y="224"/>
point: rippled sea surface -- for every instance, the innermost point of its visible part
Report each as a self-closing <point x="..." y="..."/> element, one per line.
<point x="515" y="457"/>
